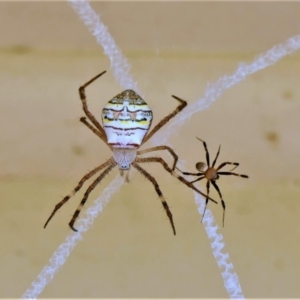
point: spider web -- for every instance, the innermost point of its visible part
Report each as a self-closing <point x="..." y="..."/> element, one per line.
<point x="120" y="67"/>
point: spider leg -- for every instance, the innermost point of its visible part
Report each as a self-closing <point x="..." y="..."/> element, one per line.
<point x="222" y="201"/>
<point x="198" y="179"/>
<point x="206" y="200"/>
<point x="157" y="148"/>
<point x="206" y="151"/>
<point x="77" y="188"/>
<point x="158" y="191"/>
<point x="88" y="191"/>
<point x="187" y="173"/>
<point x="166" y="119"/>
<point x="85" y="107"/>
<point x="214" y="162"/>
<point x="122" y="172"/>
<point x="228" y="163"/>
<point x="166" y="167"/>
<point x="235" y="174"/>
<point x="92" y="128"/>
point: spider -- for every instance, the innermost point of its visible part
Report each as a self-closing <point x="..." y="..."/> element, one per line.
<point x="212" y="174"/>
<point x="126" y="120"/>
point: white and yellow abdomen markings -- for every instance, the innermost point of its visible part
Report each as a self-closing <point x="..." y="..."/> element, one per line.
<point x="126" y="120"/>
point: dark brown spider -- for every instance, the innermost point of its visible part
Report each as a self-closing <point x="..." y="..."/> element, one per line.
<point x="212" y="174"/>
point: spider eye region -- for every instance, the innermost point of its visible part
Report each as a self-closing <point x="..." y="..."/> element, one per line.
<point x="126" y="120"/>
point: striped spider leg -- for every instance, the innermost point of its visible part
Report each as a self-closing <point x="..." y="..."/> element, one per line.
<point x="212" y="174"/>
<point x="126" y="120"/>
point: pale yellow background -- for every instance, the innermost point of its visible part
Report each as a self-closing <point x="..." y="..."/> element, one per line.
<point x="46" y="53"/>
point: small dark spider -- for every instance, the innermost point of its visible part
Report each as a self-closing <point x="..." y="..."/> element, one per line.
<point x="212" y="174"/>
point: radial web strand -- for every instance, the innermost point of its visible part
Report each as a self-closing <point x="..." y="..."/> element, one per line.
<point x="119" y="63"/>
<point x="215" y="90"/>
<point x="61" y="254"/>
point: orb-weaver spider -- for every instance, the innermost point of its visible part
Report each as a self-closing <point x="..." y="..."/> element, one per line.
<point x="126" y="120"/>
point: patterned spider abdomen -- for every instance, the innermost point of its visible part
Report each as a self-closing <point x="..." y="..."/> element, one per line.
<point x="126" y="120"/>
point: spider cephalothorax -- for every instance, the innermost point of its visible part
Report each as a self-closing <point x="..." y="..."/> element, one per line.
<point x="126" y="120"/>
<point x="212" y="174"/>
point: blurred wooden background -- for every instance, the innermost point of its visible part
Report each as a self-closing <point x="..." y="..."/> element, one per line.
<point x="46" y="53"/>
